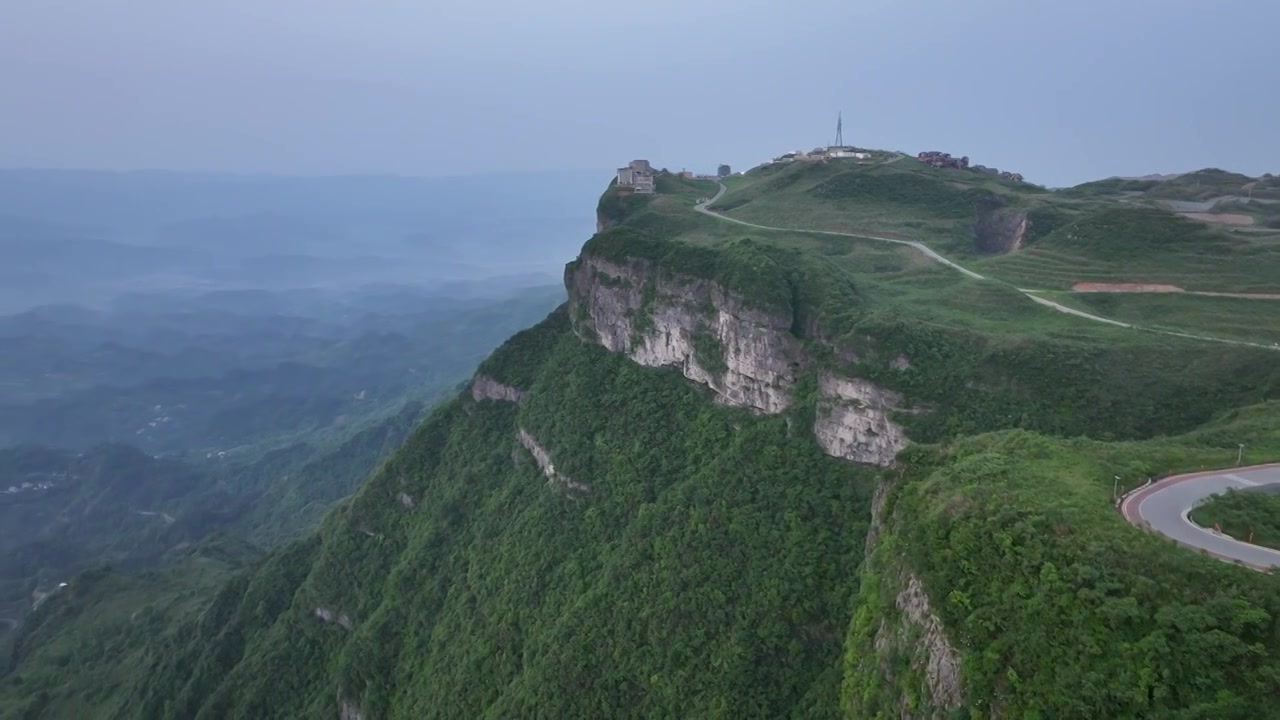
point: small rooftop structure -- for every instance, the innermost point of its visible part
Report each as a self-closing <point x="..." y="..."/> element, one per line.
<point x="637" y="175"/>
<point x="936" y="159"/>
<point x="840" y="151"/>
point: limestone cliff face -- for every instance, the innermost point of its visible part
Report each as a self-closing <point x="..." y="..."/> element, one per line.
<point x="911" y="659"/>
<point x="484" y="387"/>
<point x="853" y="421"/>
<point x="329" y="616"/>
<point x="748" y="357"/>
<point x="348" y="710"/>
<point x="940" y="661"/>
<point x="543" y="458"/>
<point x="999" y="230"/>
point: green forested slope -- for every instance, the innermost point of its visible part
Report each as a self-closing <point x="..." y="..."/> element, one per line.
<point x="684" y="558"/>
<point x="90" y="638"/>
<point x="707" y="572"/>
<point x="1060" y="608"/>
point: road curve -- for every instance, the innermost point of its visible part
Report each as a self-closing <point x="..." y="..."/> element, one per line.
<point x="705" y="209"/>
<point x="1163" y="507"/>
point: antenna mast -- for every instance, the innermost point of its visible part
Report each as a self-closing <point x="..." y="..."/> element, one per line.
<point x="839" y="130"/>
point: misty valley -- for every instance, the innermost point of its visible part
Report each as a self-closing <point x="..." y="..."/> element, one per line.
<point x="195" y="369"/>
<point x="607" y="361"/>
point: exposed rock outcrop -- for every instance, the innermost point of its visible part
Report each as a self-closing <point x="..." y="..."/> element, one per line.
<point x="330" y="616"/>
<point x="747" y="356"/>
<point x="913" y="636"/>
<point x="405" y="500"/>
<point x="543" y="458"/>
<point x="853" y="421"/>
<point x="484" y="387"/>
<point x="878" y="500"/>
<point x="999" y="230"/>
<point x="941" y="661"/>
<point x="348" y="710"/>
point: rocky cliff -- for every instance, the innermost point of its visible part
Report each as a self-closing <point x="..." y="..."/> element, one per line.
<point x="998" y="230"/>
<point x="900" y="660"/>
<point x="853" y="421"/>
<point x="484" y="387"/>
<point x="921" y="635"/>
<point x="749" y="357"/>
<point x="659" y="319"/>
<point x="543" y="458"/>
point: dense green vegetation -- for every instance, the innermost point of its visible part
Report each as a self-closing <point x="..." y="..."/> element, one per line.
<point x="101" y="625"/>
<point x="205" y="374"/>
<point x="1201" y="185"/>
<point x="300" y="398"/>
<point x="676" y="557"/>
<point x="115" y="504"/>
<point x="1244" y="515"/>
<point x="1136" y="234"/>
<point x="729" y="549"/>
<point x="932" y="194"/>
<point x="1110" y="187"/>
<point x="1061" y="609"/>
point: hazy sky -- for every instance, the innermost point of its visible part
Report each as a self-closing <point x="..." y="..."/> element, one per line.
<point x="1062" y="91"/>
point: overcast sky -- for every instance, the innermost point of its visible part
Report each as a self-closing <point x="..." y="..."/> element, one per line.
<point x="1061" y="91"/>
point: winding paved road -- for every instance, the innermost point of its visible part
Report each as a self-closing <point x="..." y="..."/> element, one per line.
<point x="1163" y="507"/>
<point x="705" y="208"/>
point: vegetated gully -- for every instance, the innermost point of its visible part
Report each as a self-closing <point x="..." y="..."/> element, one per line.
<point x="705" y="208"/>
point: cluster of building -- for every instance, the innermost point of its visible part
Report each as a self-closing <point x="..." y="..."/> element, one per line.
<point x="638" y="175"/>
<point x="1016" y="177"/>
<point x="28" y="487"/>
<point x="935" y="158"/>
<point x="821" y="154"/>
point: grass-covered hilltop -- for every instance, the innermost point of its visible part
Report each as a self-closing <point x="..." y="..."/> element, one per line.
<point x="773" y="460"/>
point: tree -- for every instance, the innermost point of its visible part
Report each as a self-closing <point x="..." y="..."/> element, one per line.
<point x="724" y="171"/>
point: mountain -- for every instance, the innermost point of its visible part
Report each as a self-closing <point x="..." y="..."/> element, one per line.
<point x="114" y="505"/>
<point x="134" y="432"/>
<point x="765" y="463"/>
<point x="225" y="371"/>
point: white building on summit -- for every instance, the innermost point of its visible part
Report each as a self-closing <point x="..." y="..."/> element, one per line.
<point x="637" y="175"/>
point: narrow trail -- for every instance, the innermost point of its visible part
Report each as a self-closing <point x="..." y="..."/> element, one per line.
<point x="705" y="208"/>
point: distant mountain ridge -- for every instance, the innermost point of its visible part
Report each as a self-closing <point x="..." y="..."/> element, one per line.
<point x="89" y="236"/>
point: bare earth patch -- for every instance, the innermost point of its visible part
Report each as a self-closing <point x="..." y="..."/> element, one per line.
<point x="1125" y="288"/>
<point x="1095" y="287"/>
<point x="1221" y="218"/>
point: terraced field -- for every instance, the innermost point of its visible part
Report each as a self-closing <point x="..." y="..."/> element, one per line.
<point x="1230" y="318"/>
<point x="1107" y="232"/>
<point x="1253" y="268"/>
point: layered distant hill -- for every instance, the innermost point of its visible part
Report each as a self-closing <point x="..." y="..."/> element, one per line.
<point x="87" y="237"/>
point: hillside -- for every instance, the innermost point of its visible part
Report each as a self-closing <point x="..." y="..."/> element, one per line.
<point x="234" y="372"/>
<point x="750" y="473"/>
<point x="129" y="434"/>
<point x="1113" y="234"/>
<point x="64" y="512"/>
